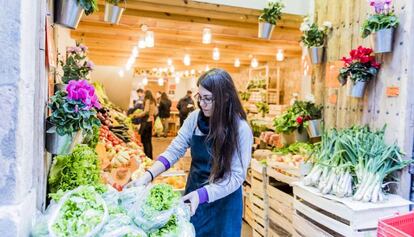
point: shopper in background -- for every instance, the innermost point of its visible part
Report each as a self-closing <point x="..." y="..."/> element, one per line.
<point x="137" y="104"/>
<point x="148" y="117"/>
<point x="220" y="140"/>
<point x="164" y="108"/>
<point x="185" y="105"/>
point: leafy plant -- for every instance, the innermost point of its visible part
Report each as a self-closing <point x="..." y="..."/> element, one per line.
<point x="76" y="66"/>
<point x="384" y="18"/>
<point x="74" y="109"/>
<point x="360" y="66"/>
<point x="81" y="167"/>
<point x="272" y="13"/>
<point x="314" y="36"/>
<point x="296" y="116"/>
<point x="245" y="95"/>
<point x="263" y="108"/>
<point x="257" y="83"/>
<point x="90" y="6"/>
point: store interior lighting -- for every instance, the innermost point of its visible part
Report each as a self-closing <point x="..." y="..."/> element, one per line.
<point x="145" y="81"/>
<point x="187" y="60"/>
<point x="207" y="68"/>
<point x="177" y="79"/>
<point x="216" y="54"/>
<point x="160" y="81"/>
<point x="237" y="62"/>
<point x="254" y="63"/>
<point x="169" y="61"/>
<point x="207" y="36"/>
<point x="121" y="73"/>
<point x="135" y="52"/>
<point x="141" y="43"/>
<point x="279" y="55"/>
<point x="149" y="39"/>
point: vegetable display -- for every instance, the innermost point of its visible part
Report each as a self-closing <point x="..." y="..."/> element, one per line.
<point x="355" y="162"/>
<point x="70" y="171"/>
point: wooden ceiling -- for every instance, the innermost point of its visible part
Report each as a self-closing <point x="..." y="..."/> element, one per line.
<point x="178" y="26"/>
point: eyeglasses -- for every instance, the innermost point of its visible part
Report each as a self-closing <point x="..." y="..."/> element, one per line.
<point x="206" y="100"/>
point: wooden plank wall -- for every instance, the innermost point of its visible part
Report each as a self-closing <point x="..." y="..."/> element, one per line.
<point x="375" y="109"/>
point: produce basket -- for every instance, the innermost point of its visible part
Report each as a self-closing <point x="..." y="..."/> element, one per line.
<point x="398" y="226"/>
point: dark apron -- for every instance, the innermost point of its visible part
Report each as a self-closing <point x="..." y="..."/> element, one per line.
<point x="221" y="218"/>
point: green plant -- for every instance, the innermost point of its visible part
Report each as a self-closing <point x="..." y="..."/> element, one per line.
<point x="296" y="117"/>
<point x="384" y="18"/>
<point x="272" y="13"/>
<point x="314" y="36"/>
<point x="114" y="2"/>
<point x="245" y="95"/>
<point x="257" y="83"/>
<point x="90" y="6"/>
<point x="71" y="115"/>
<point x="262" y="108"/>
<point x="76" y="66"/>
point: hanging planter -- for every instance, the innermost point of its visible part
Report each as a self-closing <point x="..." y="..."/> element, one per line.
<point x="268" y="19"/>
<point x="61" y="144"/>
<point x="382" y="40"/>
<point x="314" y="128"/>
<point x="360" y="68"/>
<point x="69" y="12"/>
<point x="314" y="38"/>
<point x="113" y="12"/>
<point x="316" y="54"/>
<point x="380" y="26"/>
<point x="288" y="138"/>
<point x="301" y="136"/>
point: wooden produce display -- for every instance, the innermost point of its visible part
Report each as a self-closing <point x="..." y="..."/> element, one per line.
<point x="258" y="198"/>
<point x="325" y="215"/>
<point x="286" y="173"/>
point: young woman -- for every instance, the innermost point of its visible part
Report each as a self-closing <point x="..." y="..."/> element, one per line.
<point x="147" y="115"/>
<point x="164" y="108"/>
<point x="220" y="140"/>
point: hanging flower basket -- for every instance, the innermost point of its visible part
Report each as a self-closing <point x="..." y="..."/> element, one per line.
<point x="288" y="138"/>
<point x="301" y="136"/>
<point x="113" y="13"/>
<point x="382" y="40"/>
<point x="61" y="144"/>
<point x="68" y="13"/>
<point x="268" y="19"/>
<point x="357" y="89"/>
<point x="316" y="54"/>
<point x="265" y="30"/>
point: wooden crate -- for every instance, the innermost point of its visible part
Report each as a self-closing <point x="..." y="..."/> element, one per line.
<point x="318" y="215"/>
<point x="286" y="173"/>
<point x="280" y="212"/>
<point x="258" y="198"/>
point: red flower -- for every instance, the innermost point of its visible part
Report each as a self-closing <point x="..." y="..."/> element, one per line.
<point x="299" y="120"/>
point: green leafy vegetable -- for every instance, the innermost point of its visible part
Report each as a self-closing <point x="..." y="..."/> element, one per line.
<point x="170" y="228"/>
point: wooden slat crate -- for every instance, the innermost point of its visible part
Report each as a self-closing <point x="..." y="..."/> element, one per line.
<point x="280" y="211"/>
<point x="258" y="199"/>
<point x="286" y="173"/>
<point x="316" y="215"/>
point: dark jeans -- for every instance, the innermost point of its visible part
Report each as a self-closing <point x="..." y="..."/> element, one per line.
<point x="146" y="138"/>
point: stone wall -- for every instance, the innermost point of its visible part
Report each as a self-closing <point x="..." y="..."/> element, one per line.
<point x="22" y="111"/>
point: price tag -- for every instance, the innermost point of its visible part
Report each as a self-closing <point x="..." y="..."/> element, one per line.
<point x="393" y="91"/>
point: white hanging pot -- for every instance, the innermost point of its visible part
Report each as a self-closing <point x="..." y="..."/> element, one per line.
<point x="382" y="40"/>
<point x="265" y="30"/>
<point x="68" y="13"/>
<point x="59" y="145"/>
<point x="316" y="54"/>
<point x="357" y="89"/>
<point x="113" y="13"/>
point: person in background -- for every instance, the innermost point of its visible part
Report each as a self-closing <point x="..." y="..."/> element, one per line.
<point x="185" y="105"/>
<point x="221" y="141"/>
<point x="137" y="104"/>
<point x="147" y="116"/>
<point x="164" y="108"/>
<point x="158" y="97"/>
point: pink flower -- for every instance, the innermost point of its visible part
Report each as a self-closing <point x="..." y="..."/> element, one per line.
<point x="83" y="48"/>
<point x="82" y="91"/>
<point x="70" y="50"/>
<point x="77" y="49"/>
<point x="90" y="65"/>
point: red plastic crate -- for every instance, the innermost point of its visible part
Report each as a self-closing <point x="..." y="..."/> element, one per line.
<point x="399" y="226"/>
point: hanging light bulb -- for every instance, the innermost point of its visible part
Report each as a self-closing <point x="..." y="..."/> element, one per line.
<point x="187" y="60"/>
<point x="135" y="52"/>
<point x="145" y="81"/>
<point x="206" y="35"/>
<point x="177" y="78"/>
<point x="160" y="81"/>
<point x="121" y="73"/>
<point x="169" y="61"/>
<point x="279" y="55"/>
<point x="216" y="54"/>
<point x="172" y="69"/>
<point x="192" y="72"/>
<point x="149" y="39"/>
<point x="254" y="63"/>
<point x="141" y="43"/>
<point x="186" y="73"/>
<point x="237" y="62"/>
<point x="207" y="68"/>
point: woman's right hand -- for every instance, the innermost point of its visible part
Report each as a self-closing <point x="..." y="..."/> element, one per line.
<point x="144" y="180"/>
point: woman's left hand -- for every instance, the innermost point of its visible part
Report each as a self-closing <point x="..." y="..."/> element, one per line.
<point x="194" y="201"/>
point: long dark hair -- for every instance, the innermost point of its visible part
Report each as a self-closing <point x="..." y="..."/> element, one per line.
<point x="164" y="96"/>
<point x="224" y="120"/>
<point x="148" y="96"/>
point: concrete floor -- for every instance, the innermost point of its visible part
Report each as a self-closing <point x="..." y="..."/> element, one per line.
<point x="159" y="145"/>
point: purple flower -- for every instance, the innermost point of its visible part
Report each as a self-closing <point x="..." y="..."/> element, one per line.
<point x="83" y="48"/>
<point x="70" y="50"/>
<point x="90" y="65"/>
<point x="82" y="91"/>
<point x="77" y="49"/>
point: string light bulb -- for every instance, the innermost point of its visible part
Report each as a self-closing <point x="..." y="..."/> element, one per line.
<point x="237" y="62"/>
<point x="216" y="54"/>
<point x="279" y="55"/>
<point x="207" y="36"/>
<point x="254" y="63"/>
<point x="187" y="60"/>
<point x="149" y="39"/>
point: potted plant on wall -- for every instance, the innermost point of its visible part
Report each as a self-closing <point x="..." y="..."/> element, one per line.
<point x="76" y="66"/>
<point x="361" y="67"/>
<point x="314" y="38"/>
<point x="268" y="19"/>
<point x="73" y="112"/>
<point x="113" y="11"/>
<point x="380" y="26"/>
<point x="69" y="12"/>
